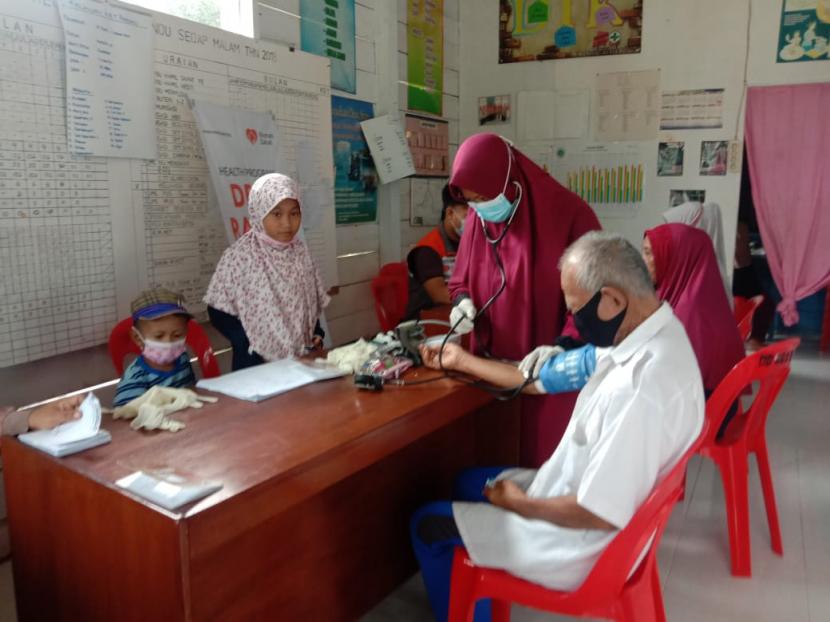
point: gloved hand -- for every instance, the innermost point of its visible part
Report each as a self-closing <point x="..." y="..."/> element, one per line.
<point x="463" y="315"/>
<point x="150" y="411"/>
<point x="531" y="365"/>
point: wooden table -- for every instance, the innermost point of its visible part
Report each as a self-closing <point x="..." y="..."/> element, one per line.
<point x="312" y="522"/>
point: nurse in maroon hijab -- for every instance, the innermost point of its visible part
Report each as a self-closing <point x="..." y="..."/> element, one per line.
<point x="505" y="285"/>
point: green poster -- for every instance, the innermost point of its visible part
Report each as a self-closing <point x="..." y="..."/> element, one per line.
<point x="425" y="51"/>
<point x="804" y="31"/>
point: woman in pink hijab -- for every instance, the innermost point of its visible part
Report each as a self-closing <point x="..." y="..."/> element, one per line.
<point x="684" y="268"/>
<point x="266" y="295"/>
<point x="535" y="218"/>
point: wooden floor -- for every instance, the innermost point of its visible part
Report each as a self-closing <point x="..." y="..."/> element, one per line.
<point x="693" y="554"/>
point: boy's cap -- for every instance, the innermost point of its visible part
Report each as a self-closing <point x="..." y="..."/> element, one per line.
<point x="154" y="303"/>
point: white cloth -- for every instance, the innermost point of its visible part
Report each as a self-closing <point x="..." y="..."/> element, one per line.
<point x="639" y="412"/>
<point x="151" y="410"/>
<point x="707" y="218"/>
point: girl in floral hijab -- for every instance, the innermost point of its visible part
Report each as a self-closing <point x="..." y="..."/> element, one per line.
<point x="266" y="295"/>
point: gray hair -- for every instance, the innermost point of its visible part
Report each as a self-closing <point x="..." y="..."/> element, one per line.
<point x="603" y="259"/>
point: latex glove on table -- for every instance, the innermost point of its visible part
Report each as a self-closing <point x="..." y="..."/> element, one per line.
<point x="531" y="365"/>
<point x="151" y="411"/>
<point x="463" y="315"/>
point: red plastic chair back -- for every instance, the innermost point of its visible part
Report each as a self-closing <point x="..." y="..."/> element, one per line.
<point x="121" y="344"/>
<point x="390" y="290"/>
<point x="744" y="312"/>
<point x="770" y="367"/>
<point x="746" y="434"/>
<point x="608" y="591"/>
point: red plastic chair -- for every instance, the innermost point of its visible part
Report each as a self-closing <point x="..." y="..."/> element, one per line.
<point x="608" y="592"/>
<point x="746" y="433"/>
<point x="744" y="312"/>
<point x="390" y="289"/>
<point x="120" y="345"/>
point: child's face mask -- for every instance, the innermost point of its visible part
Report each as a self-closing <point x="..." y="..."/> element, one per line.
<point x="161" y="352"/>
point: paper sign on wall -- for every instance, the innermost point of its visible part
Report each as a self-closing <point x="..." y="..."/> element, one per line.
<point x="110" y="103"/>
<point x="628" y="105"/>
<point x="389" y="148"/>
<point x="429" y="143"/>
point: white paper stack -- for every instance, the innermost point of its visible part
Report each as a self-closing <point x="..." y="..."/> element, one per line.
<point x="255" y="384"/>
<point x="73" y="436"/>
<point x="169" y="491"/>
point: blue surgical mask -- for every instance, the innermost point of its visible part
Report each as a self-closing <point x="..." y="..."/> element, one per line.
<point x="459" y="230"/>
<point x="494" y="210"/>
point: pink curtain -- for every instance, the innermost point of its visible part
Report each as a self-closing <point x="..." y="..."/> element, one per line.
<point x="788" y="145"/>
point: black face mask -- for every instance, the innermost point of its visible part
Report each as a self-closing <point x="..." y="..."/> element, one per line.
<point x="598" y="332"/>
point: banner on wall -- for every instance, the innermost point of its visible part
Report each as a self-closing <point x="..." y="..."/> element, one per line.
<point x="355" y="177"/>
<point x="551" y="29"/>
<point x="425" y="55"/>
<point x="327" y="29"/>
<point x="240" y="146"/>
<point x="804" y="31"/>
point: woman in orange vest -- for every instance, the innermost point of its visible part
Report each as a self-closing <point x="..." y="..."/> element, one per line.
<point x="431" y="261"/>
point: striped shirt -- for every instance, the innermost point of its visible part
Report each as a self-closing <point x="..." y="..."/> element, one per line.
<point x="139" y="377"/>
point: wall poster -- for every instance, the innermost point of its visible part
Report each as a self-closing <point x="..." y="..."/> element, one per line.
<point x="355" y="177"/>
<point x="328" y="29"/>
<point x="804" y="31"/>
<point x="670" y="159"/>
<point x="549" y="29"/>
<point x="425" y="55"/>
<point x="429" y="142"/>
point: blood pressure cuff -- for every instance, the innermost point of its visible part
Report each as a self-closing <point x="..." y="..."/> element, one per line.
<point x="568" y="371"/>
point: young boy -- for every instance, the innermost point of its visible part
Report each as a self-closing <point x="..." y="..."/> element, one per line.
<point x="159" y="329"/>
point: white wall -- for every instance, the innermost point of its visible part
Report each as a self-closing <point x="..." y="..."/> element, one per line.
<point x="381" y="79"/>
<point x="700" y="44"/>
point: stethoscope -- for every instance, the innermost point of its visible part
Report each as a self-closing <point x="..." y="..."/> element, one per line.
<point x="500" y="393"/>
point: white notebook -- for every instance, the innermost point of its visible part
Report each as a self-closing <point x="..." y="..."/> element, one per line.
<point x="269" y="379"/>
<point x="167" y="490"/>
<point x="73" y="436"/>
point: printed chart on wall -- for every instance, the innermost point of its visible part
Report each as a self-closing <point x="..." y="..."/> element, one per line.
<point x="609" y="178"/>
<point x="62" y="215"/>
<point x="805" y="31"/>
<point x="425" y="55"/>
<point x="549" y="29"/>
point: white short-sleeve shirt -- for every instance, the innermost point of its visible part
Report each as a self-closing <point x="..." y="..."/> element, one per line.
<point x="640" y="411"/>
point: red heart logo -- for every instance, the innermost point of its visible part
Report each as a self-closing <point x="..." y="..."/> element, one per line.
<point x="251" y="134"/>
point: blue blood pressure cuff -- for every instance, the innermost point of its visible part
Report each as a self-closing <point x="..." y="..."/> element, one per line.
<point x="568" y="371"/>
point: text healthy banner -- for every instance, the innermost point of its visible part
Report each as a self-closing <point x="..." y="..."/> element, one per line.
<point x="240" y="146"/>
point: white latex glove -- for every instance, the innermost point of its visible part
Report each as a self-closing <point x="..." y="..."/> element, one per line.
<point x="531" y="365"/>
<point x="464" y="314"/>
<point x="150" y="411"/>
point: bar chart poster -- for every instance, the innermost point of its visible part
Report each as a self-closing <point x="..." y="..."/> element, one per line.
<point x="605" y="180"/>
<point x="327" y="28"/>
<point x="425" y="55"/>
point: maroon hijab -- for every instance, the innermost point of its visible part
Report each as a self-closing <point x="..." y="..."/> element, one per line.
<point x="689" y="279"/>
<point x="531" y="310"/>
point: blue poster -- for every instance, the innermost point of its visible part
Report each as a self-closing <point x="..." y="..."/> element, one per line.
<point x="355" y="177"/>
<point x="327" y="29"/>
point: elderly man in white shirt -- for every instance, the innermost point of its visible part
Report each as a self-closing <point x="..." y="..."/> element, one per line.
<point x="641" y="409"/>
